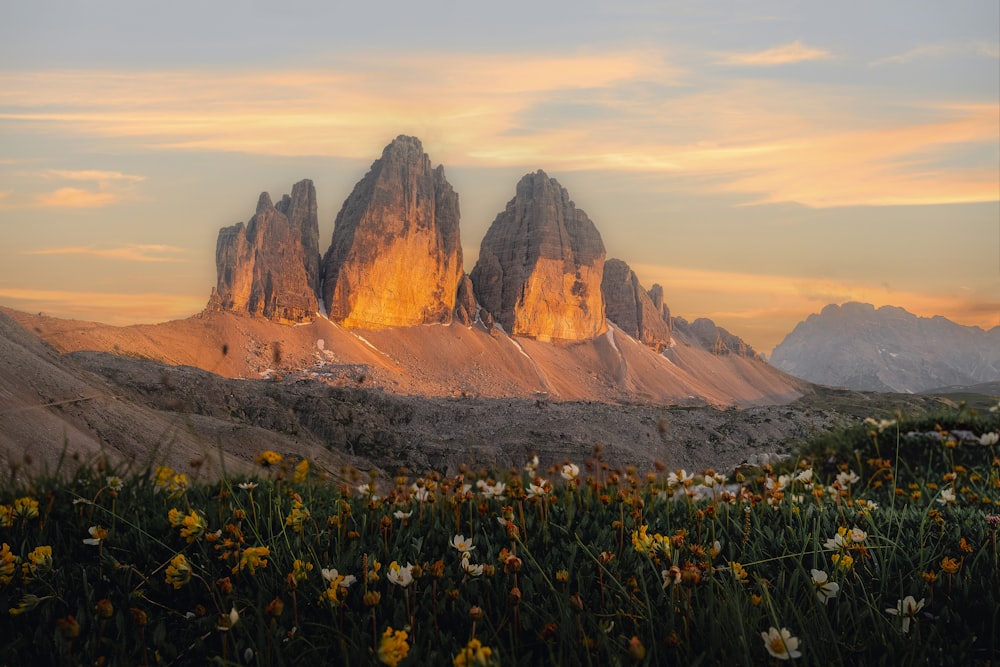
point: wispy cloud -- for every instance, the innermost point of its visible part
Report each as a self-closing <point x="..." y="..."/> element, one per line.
<point x="768" y="140"/>
<point x="108" y="307"/>
<point x="106" y="188"/>
<point x="939" y="49"/>
<point x="72" y="198"/>
<point x="129" y="253"/>
<point x="786" y="54"/>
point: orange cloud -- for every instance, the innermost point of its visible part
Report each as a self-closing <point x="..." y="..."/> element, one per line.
<point x="795" y="52"/>
<point x="130" y="253"/>
<point x="74" y="198"/>
<point x="110" y="308"/>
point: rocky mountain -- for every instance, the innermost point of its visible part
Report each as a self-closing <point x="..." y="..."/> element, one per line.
<point x="632" y="308"/>
<point x="540" y="266"/>
<point x="396" y="255"/>
<point x="707" y="334"/>
<point x="857" y="346"/>
<point x="270" y="266"/>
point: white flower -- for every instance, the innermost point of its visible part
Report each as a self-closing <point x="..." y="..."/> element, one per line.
<point x="679" y="477"/>
<point x="804" y="476"/>
<point x="464" y="545"/>
<point x="96" y="535"/>
<point x="845" y="479"/>
<point x="400" y="514"/>
<point x="368" y="490"/>
<point x="532" y="465"/>
<point x="227" y="621"/>
<point x="570" y="471"/>
<point x="907" y="608"/>
<point x="780" y="643"/>
<point x="947" y="495"/>
<point x="835" y="543"/>
<point x="495" y="490"/>
<point x="473" y="569"/>
<point x="115" y="483"/>
<point x="399" y="575"/>
<point x="538" y="490"/>
<point x="331" y="575"/>
<point x="421" y="494"/>
<point x="825" y="589"/>
<point x="988" y="439"/>
<point x="247" y="486"/>
<point x="858" y="536"/>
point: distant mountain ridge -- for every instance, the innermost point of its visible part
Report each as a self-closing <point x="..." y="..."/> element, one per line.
<point x="857" y="346"/>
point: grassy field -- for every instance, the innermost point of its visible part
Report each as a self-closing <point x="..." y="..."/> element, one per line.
<point x="873" y="545"/>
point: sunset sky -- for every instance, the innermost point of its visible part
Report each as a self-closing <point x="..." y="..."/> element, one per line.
<point x="758" y="159"/>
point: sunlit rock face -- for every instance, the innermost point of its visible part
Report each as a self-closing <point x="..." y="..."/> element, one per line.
<point x="270" y="266"/>
<point x="540" y="266"/>
<point x="396" y="255"/>
<point x="631" y="308"/>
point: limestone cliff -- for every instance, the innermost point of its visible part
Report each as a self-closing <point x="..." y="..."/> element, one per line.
<point x="630" y="307"/>
<point x="396" y="255"/>
<point x="540" y="265"/>
<point x="270" y="266"/>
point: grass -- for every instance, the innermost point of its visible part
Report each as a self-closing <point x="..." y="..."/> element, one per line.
<point x="873" y="545"/>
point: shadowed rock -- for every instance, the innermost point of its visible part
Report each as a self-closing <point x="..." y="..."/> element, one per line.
<point x="630" y="307"/>
<point x="540" y="265"/>
<point x="270" y="266"/>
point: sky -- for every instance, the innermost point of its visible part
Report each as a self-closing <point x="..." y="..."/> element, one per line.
<point x="759" y="160"/>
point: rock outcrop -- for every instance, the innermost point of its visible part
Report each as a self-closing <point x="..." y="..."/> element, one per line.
<point x="396" y="255"/>
<point x="717" y="340"/>
<point x="631" y="308"/>
<point x="540" y="266"/>
<point x="466" y="310"/>
<point x="270" y="266"/>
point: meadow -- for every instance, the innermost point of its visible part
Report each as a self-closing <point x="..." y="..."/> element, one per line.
<point x="875" y="544"/>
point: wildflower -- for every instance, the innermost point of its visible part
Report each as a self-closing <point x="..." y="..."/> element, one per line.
<point x="472" y="569"/>
<point x="846" y="478"/>
<point x="947" y="496"/>
<point x="843" y="561"/>
<point x="298" y="516"/>
<point x="671" y="576"/>
<point x="68" y="627"/>
<point x="7" y="516"/>
<point x="227" y="621"/>
<point x="25" y="508"/>
<point x="192" y="524"/>
<point x="539" y="489"/>
<point x="104" y="608"/>
<point x="301" y="471"/>
<point x="399" y="575"/>
<point x="531" y="466"/>
<point x="825" y="589"/>
<point x="642" y="542"/>
<point x="679" y="477"/>
<point x="989" y="439"/>
<point x="780" y="643"/>
<point x="97" y="533"/>
<point x="475" y="654"/>
<point x="179" y="571"/>
<point x="950" y="565"/>
<point x="269" y="458"/>
<point x="494" y="490"/>
<point x="739" y="571"/>
<point x="25" y="604"/>
<point x="252" y="558"/>
<point x="804" y="476"/>
<point x="636" y="651"/>
<point x="40" y="560"/>
<point x="368" y="490"/>
<point x="570" y="471"/>
<point x="464" y="545"/>
<point x="247" y="486"/>
<point x="115" y="483"/>
<point x="331" y="575"/>
<point x="8" y="564"/>
<point x="301" y="569"/>
<point x="906" y="608"/>
<point x="716" y="549"/>
<point x="392" y="648"/>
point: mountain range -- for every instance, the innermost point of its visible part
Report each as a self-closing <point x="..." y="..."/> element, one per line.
<point x="857" y="346"/>
<point x="545" y="344"/>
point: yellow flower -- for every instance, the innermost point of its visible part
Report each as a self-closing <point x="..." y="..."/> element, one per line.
<point x="845" y="561"/>
<point x="27" y="603"/>
<point x="950" y="565"/>
<point x="8" y="565"/>
<point x="6" y="516"/>
<point x="192" y="524"/>
<point x="301" y="569"/>
<point x="739" y="571"/>
<point x="97" y="534"/>
<point x="162" y="475"/>
<point x="642" y="542"/>
<point x="26" y="508"/>
<point x="269" y="458"/>
<point x="301" y="471"/>
<point x="252" y="558"/>
<point x="179" y="571"/>
<point x="298" y="516"/>
<point x="41" y="559"/>
<point x="392" y="648"/>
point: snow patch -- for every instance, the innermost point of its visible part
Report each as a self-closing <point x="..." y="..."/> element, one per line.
<point x="611" y="339"/>
<point x="320" y="344"/>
